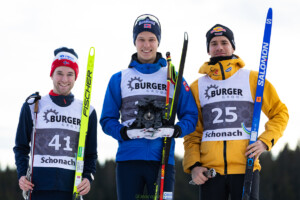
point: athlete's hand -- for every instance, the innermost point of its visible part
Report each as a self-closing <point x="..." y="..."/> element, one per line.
<point x="256" y="149"/>
<point x="25" y="184"/>
<point x="150" y="133"/>
<point x="198" y="176"/>
<point x="84" y="187"/>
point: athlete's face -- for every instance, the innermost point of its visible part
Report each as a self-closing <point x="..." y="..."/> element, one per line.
<point x="220" y="46"/>
<point x="63" y="80"/>
<point x="146" y="45"/>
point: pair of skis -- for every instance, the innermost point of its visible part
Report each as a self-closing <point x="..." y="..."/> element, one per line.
<point x="170" y="115"/>
<point x="85" y="113"/>
<point x="258" y="103"/>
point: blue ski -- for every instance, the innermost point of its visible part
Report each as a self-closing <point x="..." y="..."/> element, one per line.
<point x="258" y="103"/>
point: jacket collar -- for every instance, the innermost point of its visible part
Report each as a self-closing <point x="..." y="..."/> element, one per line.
<point x="222" y="68"/>
<point x="147" y="68"/>
<point x="61" y="100"/>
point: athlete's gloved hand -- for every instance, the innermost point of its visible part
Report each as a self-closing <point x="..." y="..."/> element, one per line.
<point x="150" y="133"/>
<point x="165" y="131"/>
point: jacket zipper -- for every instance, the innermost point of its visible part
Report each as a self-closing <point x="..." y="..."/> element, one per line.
<point x="222" y="71"/>
<point x="224" y="142"/>
<point x="225" y="157"/>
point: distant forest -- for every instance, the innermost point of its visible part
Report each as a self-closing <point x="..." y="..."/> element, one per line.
<point x="279" y="180"/>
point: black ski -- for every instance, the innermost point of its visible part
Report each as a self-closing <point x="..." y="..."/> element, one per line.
<point x="159" y="188"/>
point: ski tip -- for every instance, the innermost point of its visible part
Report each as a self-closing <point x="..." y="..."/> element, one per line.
<point x="270" y="9"/>
<point x="185" y="35"/>
<point x="92" y="51"/>
<point x="270" y="13"/>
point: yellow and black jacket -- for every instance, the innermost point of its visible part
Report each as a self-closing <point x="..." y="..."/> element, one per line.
<point x="228" y="156"/>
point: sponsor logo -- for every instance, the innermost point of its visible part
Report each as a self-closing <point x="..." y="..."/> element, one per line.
<point x="63" y="56"/>
<point x="146" y="21"/>
<point x="53" y="116"/>
<point x="168" y="195"/>
<point x="66" y="62"/>
<point x="80" y="152"/>
<point x="263" y="64"/>
<point x="87" y="93"/>
<point x="186" y="87"/>
<point x="229" y="69"/>
<point x="137" y="83"/>
<point x="58" y="161"/>
<point x="218" y="29"/>
<point x="223" y="134"/>
<point x="215" y="72"/>
<point x="79" y="166"/>
<point x="214" y="91"/>
<point x="258" y="99"/>
<point x="162" y="172"/>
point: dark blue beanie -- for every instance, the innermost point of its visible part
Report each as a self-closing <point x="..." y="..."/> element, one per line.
<point x="219" y="30"/>
<point x="65" y="49"/>
<point x="148" y="23"/>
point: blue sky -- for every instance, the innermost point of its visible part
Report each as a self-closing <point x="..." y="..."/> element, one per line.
<point x="31" y="30"/>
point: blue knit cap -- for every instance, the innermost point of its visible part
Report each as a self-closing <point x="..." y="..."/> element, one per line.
<point x="149" y="23"/>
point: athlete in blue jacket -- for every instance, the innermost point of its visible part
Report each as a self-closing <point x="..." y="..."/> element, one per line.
<point x="55" y="129"/>
<point x="143" y="83"/>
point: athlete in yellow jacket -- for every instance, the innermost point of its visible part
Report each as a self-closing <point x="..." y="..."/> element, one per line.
<point x="225" y="100"/>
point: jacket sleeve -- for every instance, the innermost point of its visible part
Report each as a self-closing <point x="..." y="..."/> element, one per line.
<point x="186" y="110"/>
<point x="22" y="140"/>
<point x="111" y="108"/>
<point x="274" y="109"/>
<point x="90" y="157"/>
<point x="192" y="142"/>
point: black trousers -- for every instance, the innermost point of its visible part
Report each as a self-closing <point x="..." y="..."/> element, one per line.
<point x="133" y="176"/>
<point x="50" y="195"/>
<point x="223" y="186"/>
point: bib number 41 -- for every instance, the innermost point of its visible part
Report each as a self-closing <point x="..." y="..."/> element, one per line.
<point x="56" y="143"/>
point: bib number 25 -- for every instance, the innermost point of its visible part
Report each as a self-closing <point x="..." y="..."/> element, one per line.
<point x="230" y="115"/>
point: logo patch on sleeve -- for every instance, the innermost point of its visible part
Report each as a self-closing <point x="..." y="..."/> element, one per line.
<point x="186" y="87"/>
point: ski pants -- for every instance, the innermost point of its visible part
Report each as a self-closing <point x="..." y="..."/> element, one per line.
<point x="221" y="186"/>
<point x="50" y="195"/>
<point x="133" y="176"/>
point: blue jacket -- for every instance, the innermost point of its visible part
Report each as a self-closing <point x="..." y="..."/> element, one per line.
<point x="143" y="149"/>
<point x="53" y="178"/>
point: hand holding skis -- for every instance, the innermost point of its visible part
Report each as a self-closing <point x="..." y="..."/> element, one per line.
<point x="84" y="187"/>
<point x="150" y="133"/>
<point x="201" y="174"/>
<point x="256" y="149"/>
<point x="24" y="184"/>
